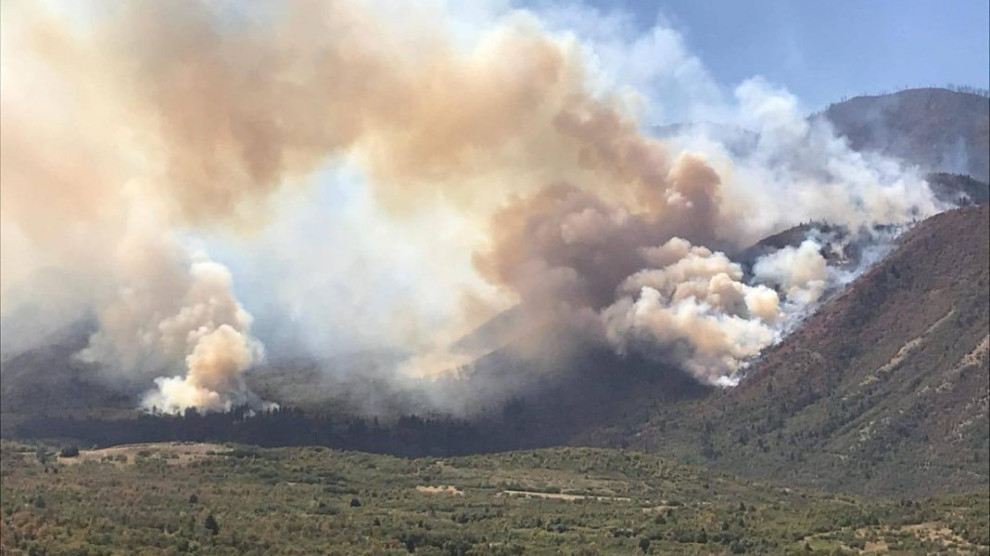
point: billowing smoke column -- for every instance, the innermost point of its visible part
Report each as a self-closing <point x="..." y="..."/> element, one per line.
<point x="203" y="326"/>
<point x="171" y="313"/>
<point x="129" y="130"/>
<point x="698" y="304"/>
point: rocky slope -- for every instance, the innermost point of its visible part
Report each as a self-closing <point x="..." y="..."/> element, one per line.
<point x="885" y="389"/>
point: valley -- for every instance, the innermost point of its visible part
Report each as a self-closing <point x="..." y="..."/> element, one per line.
<point x="157" y="498"/>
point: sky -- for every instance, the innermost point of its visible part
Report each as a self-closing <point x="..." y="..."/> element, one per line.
<point x="824" y="51"/>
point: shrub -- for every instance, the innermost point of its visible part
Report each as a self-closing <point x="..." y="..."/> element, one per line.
<point x="211" y="525"/>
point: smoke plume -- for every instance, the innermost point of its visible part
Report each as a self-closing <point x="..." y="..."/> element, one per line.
<point x="504" y="165"/>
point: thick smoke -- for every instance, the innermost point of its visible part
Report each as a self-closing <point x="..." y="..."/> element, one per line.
<point x="170" y="312"/>
<point x="190" y="317"/>
<point x="130" y="130"/>
<point x="697" y="305"/>
<point x="800" y="272"/>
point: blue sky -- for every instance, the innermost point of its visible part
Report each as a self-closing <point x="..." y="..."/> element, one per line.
<point x="823" y="51"/>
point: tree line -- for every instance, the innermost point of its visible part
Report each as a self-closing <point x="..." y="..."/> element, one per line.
<point x="408" y="436"/>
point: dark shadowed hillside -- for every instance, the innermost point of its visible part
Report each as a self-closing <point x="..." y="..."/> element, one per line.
<point x="937" y="129"/>
<point x="958" y="189"/>
<point x="50" y="379"/>
<point x="885" y="389"/>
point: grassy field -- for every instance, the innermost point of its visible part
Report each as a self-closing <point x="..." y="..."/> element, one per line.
<point x="213" y="499"/>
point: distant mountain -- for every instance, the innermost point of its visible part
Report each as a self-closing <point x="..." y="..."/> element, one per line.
<point x="938" y="129"/>
<point x="885" y="389"/>
<point x="945" y="133"/>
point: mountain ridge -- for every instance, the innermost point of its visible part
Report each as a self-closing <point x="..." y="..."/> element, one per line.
<point x="870" y="386"/>
<point x="937" y="129"/>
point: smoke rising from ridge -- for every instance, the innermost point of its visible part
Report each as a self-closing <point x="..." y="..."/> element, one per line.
<point x="127" y="134"/>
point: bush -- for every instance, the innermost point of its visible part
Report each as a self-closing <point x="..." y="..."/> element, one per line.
<point x="211" y="525"/>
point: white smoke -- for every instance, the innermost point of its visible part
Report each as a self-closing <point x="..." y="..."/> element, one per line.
<point x="778" y="170"/>
<point x="502" y="161"/>
<point x="800" y="272"/>
<point x="694" y="305"/>
<point x="175" y="316"/>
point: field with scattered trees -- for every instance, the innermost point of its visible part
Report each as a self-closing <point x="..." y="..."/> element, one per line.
<point x="177" y="498"/>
